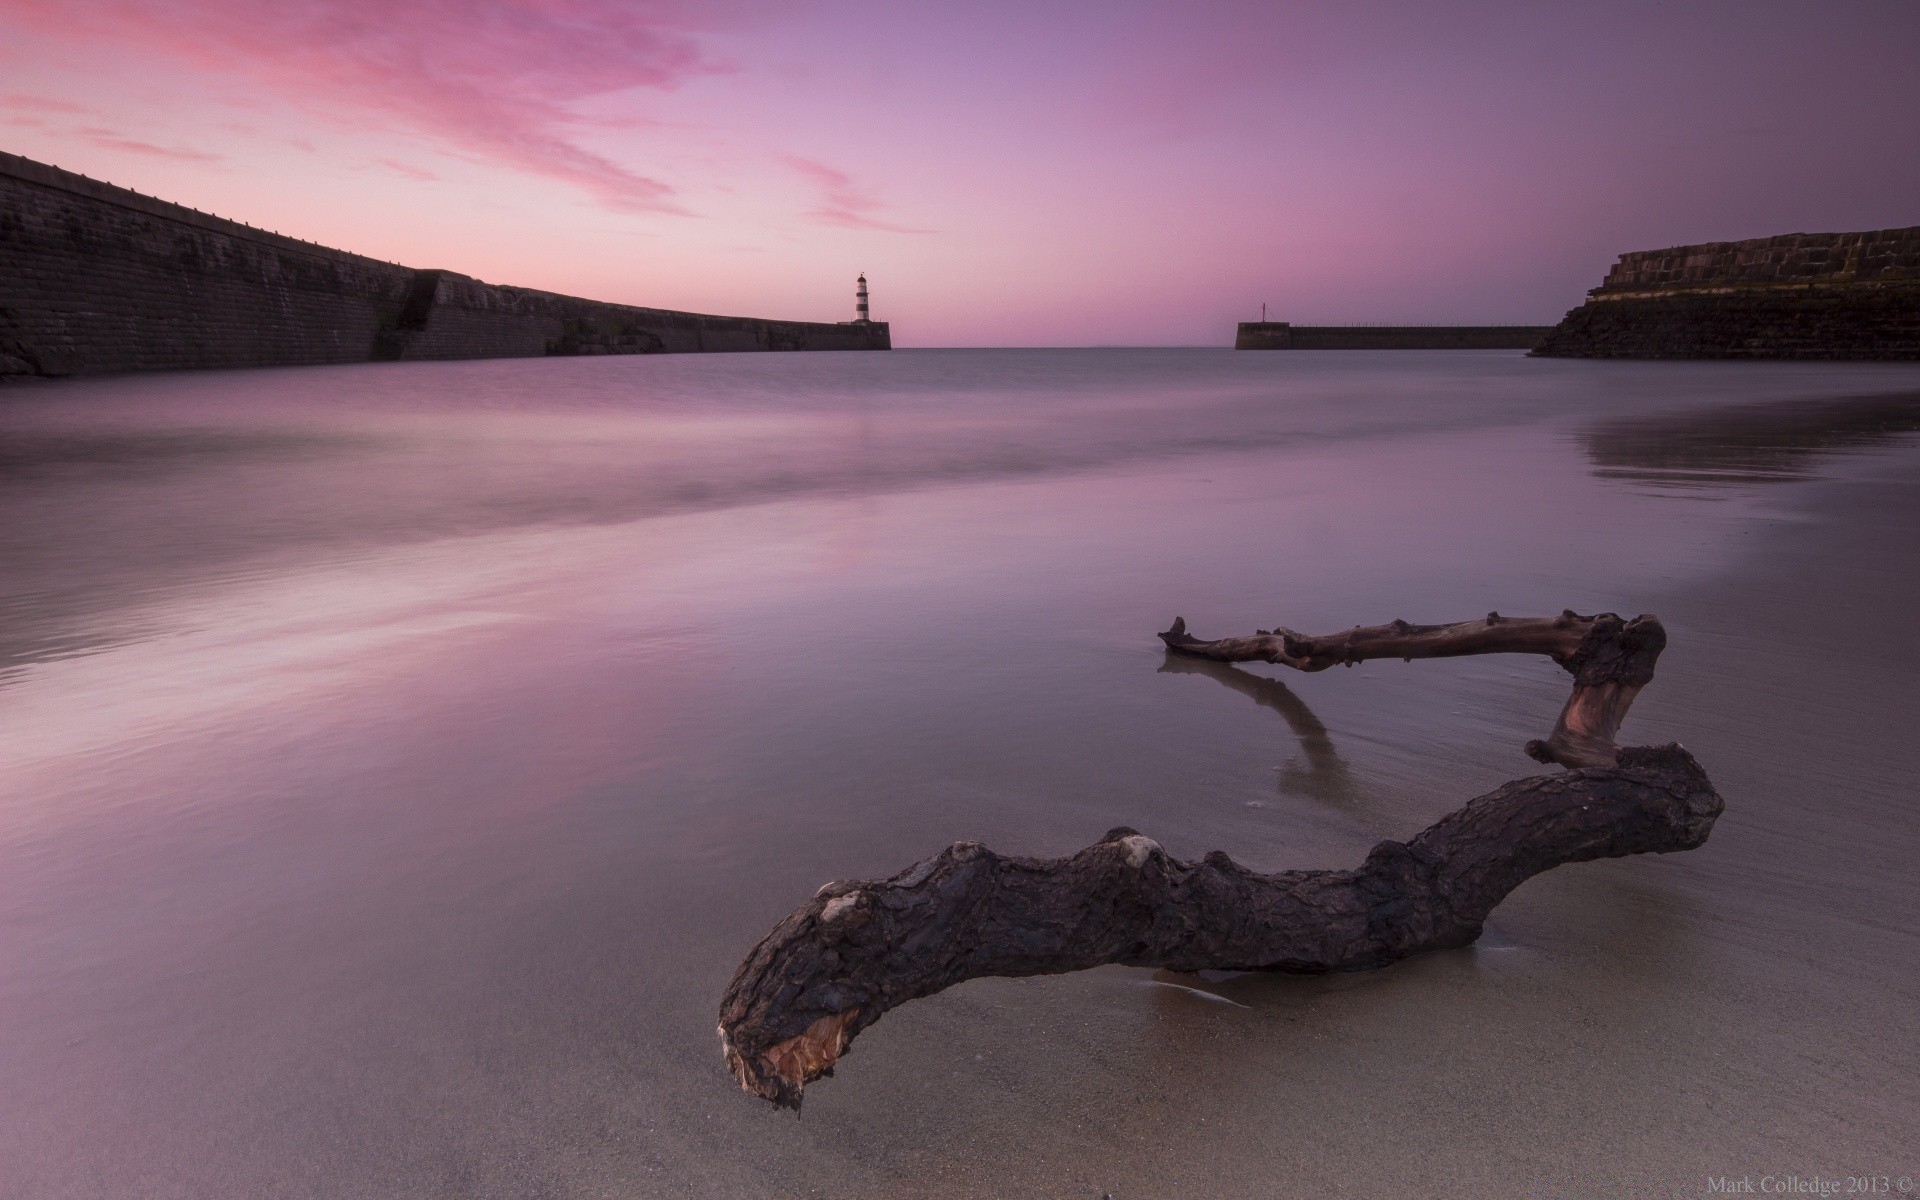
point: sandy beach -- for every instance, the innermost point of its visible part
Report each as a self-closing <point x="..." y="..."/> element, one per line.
<point x="396" y="766"/>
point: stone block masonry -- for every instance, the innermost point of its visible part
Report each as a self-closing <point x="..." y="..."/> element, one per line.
<point x="1280" y="335"/>
<point x="98" y="278"/>
<point x="1797" y="296"/>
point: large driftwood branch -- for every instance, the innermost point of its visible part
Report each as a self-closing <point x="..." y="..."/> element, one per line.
<point x="858" y="949"/>
<point x="1610" y="660"/>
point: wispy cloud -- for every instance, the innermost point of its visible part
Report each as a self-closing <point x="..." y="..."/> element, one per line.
<point x="114" y="140"/>
<point x="843" y="203"/>
<point x="493" y="79"/>
<point x="42" y="104"/>
<point x="407" y="169"/>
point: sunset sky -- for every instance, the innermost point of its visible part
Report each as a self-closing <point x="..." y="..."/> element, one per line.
<point x="1020" y="173"/>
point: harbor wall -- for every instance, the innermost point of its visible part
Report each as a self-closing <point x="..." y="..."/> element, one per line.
<point x="1281" y="335"/>
<point x="98" y="278"/>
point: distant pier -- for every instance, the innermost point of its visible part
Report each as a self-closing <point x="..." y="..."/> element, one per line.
<point x="1283" y="335"/>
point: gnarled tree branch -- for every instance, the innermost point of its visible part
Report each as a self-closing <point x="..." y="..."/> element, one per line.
<point x="858" y="949"/>
<point x="1610" y="660"/>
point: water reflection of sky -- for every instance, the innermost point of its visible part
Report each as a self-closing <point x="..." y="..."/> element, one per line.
<point x="455" y="741"/>
<point x="114" y="491"/>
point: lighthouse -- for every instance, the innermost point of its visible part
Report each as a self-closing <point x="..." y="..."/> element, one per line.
<point x="860" y="300"/>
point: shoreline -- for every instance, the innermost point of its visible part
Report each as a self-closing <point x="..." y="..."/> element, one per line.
<point x="419" y="863"/>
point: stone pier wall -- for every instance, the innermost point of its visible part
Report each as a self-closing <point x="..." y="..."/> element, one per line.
<point x="1281" y="335"/>
<point x="98" y="278"/>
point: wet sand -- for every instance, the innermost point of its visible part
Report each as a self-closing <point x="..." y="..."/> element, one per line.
<point x="358" y="864"/>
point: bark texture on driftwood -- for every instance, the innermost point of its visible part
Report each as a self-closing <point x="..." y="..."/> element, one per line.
<point x="1610" y="659"/>
<point x="858" y="949"/>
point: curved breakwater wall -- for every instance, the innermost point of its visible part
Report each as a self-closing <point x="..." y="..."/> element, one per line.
<point x="98" y="278"/>
<point x="1799" y="295"/>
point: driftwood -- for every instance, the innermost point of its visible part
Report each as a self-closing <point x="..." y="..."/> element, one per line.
<point x="1610" y="660"/>
<point x="857" y="949"/>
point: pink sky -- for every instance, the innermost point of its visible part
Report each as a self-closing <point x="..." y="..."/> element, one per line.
<point x="1021" y="173"/>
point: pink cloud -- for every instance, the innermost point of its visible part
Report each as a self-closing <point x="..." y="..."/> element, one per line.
<point x="43" y="104"/>
<point x="113" y="140"/>
<point x="411" y="172"/>
<point x="493" y="79"/>
<point x="842" y="202"/>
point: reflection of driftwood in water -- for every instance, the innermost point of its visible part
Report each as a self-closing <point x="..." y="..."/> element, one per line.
<point x="858" y="949"/>
<point x="1746" y="442"/>
<point x="1327" y="776"/>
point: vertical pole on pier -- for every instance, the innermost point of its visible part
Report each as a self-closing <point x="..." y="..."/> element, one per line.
<point x="860" y="300"/>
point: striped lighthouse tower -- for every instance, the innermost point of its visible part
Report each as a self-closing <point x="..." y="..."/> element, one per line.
<point x="860" y="300"/>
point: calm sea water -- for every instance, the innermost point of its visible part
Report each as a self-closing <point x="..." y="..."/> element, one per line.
<point x="397" y="759"/>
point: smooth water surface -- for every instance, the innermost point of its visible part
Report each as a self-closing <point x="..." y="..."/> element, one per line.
<point x="399" y="758"/>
